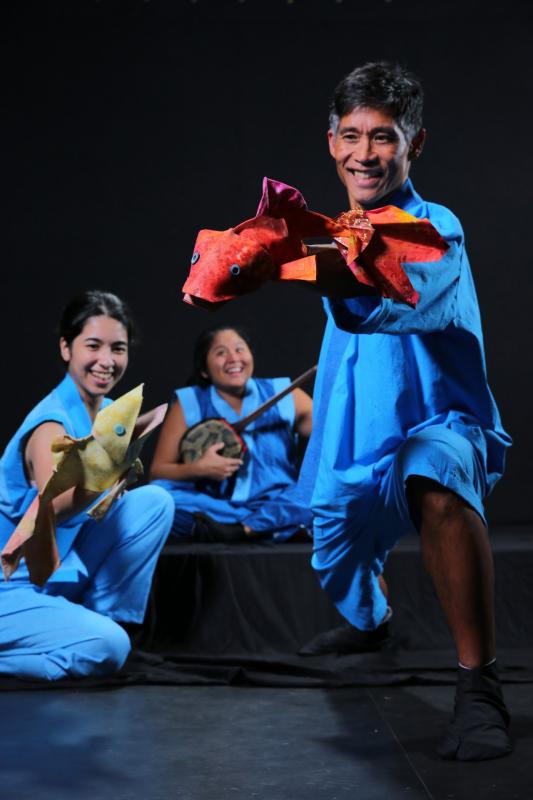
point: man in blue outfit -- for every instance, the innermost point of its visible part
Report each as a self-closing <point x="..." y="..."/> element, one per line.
<point x="406" y="434"/>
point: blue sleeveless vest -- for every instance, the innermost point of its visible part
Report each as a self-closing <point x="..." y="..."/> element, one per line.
<point x="270" y="461"/>
<point x="65" y="406"/>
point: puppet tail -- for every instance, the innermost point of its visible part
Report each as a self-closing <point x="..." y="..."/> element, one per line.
<point x="12" y="552"/>
<point x="34" y="539"/>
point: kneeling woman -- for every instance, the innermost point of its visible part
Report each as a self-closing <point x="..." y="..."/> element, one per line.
<point x="67" y="628"/>
<point x="218" y="498"/>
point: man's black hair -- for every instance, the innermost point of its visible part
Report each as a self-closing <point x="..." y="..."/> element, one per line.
<point x="382" y="85"/>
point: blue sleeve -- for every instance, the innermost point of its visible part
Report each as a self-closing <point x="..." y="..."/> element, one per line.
<point x="437" y="283"/>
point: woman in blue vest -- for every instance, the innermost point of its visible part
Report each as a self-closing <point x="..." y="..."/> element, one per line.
<point x="68" y="628"/>
<point x="224" y="499"/>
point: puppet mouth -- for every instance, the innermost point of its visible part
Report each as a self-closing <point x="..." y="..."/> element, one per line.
<point x="199" y="302"/>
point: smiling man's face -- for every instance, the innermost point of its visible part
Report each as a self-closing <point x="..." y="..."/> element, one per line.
<point x="372" y="154"/>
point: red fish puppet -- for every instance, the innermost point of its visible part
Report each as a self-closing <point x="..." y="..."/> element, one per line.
<point x="270" y="247"/>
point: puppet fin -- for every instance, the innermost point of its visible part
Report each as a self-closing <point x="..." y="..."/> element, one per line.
<point x="303" y="269"/>
<point x="144" y="426"/>
<point x="100" y="509"/>
<point x="277" y="197"/>
<point x="412" y="238"/>
<point x="264" y="230"/>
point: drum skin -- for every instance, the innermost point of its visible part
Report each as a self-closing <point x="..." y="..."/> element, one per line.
<point x="199" y="437"/>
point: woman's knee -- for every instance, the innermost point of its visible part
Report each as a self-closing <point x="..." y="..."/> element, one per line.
<point x="116" y="646"/>
<point x="146" y="516"/>
<point x="154" y="501"/>
<point x="100" y="649"/>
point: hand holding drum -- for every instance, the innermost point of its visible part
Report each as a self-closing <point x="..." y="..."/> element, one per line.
<point x="214" y="449"/>
<point x="200" y="438"/>
<point x="214" y="466"/>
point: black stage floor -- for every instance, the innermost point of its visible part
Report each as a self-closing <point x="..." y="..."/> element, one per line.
<point x="218" y="705"/>
<point x="213" y="743"/>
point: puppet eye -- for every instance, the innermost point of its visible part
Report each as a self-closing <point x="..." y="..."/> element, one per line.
<point x="195" y="257"/>
<point x="235" y="269"/>
<point x="120" y="430"/>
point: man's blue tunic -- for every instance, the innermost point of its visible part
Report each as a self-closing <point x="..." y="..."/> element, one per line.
<point x="263" y="495"/>
<point x="66" y="628"/>
<point x="399" y="392"/>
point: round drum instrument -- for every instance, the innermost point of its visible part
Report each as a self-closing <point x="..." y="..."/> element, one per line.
<point x="213" y="430"/>
<point x="199" y="437"/>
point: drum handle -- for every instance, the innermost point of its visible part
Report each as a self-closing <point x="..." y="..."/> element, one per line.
<point x="242" y="423"/>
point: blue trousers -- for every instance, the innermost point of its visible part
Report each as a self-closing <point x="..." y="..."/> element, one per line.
<point x="67" y="629"/>
<point x="282" y="513"/>
<point x="350" y="551"/>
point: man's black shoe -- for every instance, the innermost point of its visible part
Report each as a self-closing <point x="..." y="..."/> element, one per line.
<point x="347" y="639"/>
<point x="479" y="729"/>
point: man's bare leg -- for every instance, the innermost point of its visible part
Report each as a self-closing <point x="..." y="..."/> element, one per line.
<point x="457" y="555"/>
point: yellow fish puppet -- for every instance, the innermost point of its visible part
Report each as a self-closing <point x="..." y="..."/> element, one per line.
<point x="106" y="459"/>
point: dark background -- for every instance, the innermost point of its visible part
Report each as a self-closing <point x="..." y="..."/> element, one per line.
<point x="131" y="125"/>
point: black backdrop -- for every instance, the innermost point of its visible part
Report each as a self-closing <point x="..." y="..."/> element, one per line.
<point x="132" y="124"/>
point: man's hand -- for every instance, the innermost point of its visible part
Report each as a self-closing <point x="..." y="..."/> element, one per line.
<point x="333" y="276"/>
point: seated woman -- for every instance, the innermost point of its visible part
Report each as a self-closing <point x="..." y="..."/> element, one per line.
<point x="225" y="499"/>
<point x="67" y="627"/>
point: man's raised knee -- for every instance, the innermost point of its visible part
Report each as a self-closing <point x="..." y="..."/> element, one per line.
<point x="430" y="501"/>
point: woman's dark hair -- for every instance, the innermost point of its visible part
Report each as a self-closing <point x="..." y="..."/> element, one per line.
<point x="202" y="346"/>
<point x="382" y="85"/>
<point x="94" y="303"/>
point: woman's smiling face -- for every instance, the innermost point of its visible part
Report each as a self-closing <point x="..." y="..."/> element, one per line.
<point x="97" y="358"/>
<point x="229" y="362"/>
